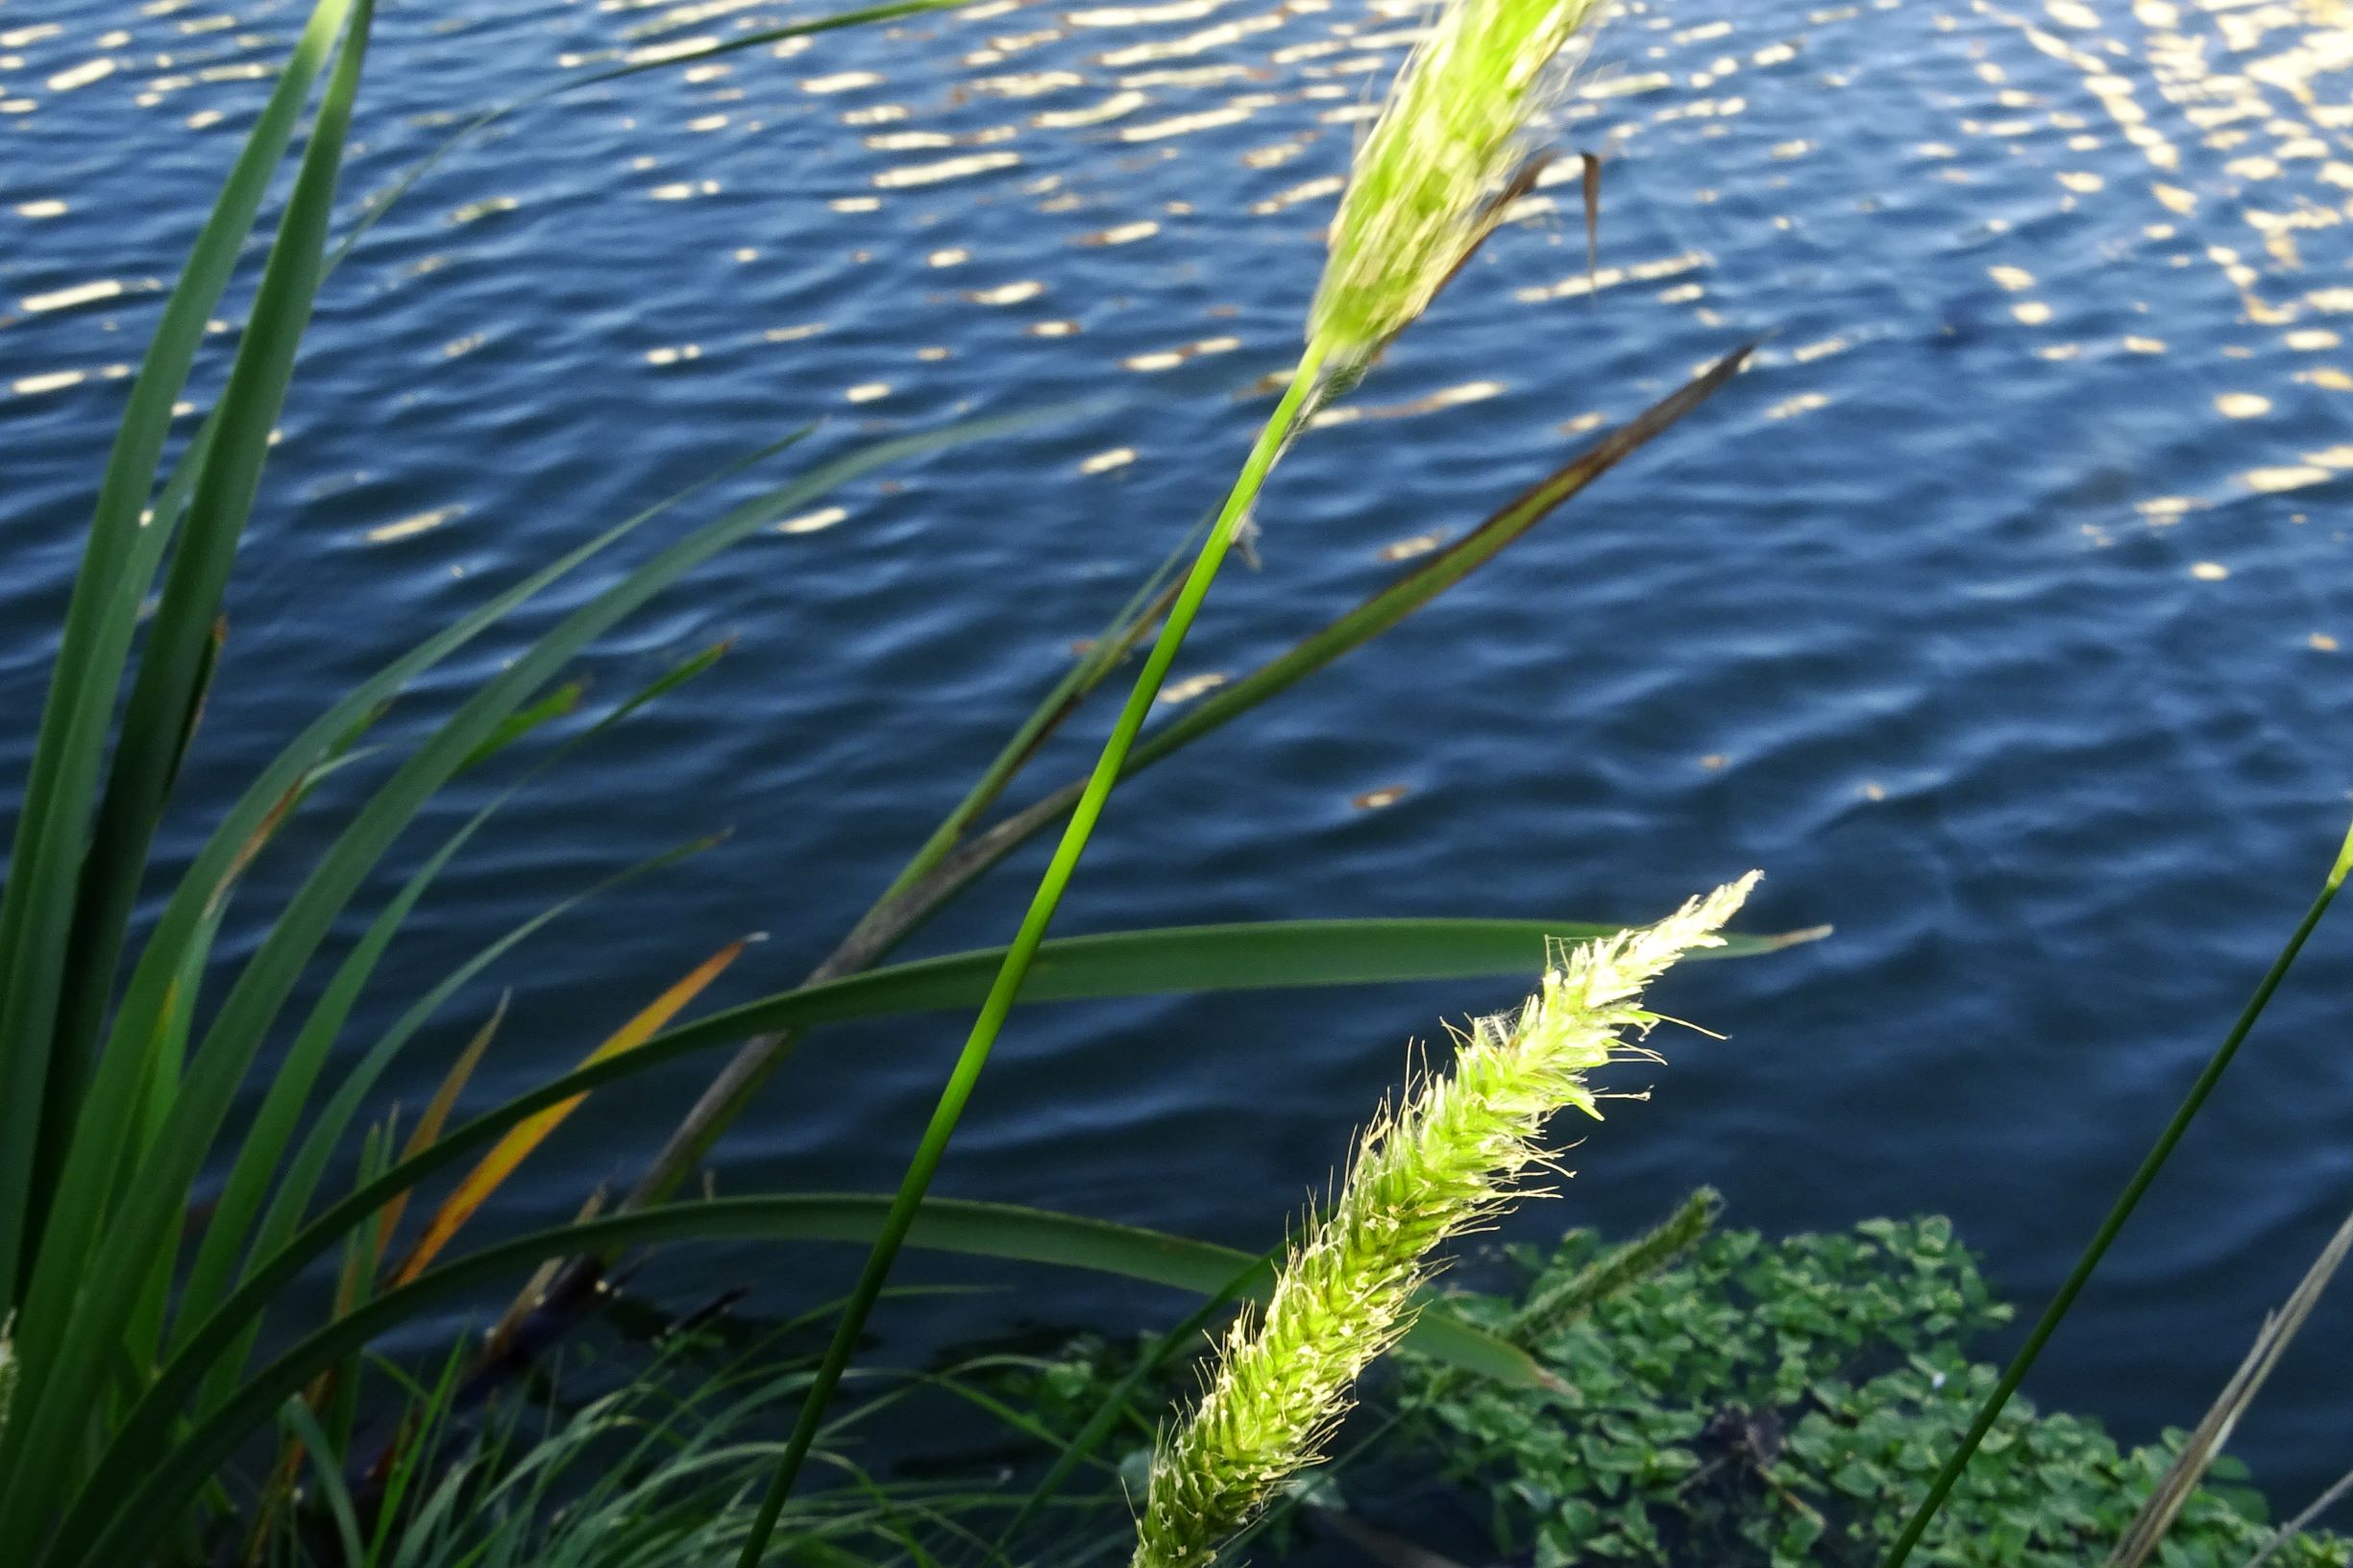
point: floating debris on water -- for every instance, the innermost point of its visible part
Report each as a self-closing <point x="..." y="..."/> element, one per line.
<point x="1190" y="687"/>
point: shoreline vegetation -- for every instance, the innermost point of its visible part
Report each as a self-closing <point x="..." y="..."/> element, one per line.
<point x="177" y="1388"/>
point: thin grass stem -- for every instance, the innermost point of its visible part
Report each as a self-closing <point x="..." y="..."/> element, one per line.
<point x="1230" y="521"/>
<point x="2127" y="1201"/>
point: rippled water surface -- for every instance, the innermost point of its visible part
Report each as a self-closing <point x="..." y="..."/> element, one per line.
<point x="1997" y="611"/>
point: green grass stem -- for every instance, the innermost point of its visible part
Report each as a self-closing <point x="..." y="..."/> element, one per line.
<point x="1232" y="519"/>
<point x="2127" y="1201"/>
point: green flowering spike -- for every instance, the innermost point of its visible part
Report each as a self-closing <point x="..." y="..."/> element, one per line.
<point x="1453" y="1156"/>
<point x="1448" y="154"/>
<point x="1549" y="1310"/>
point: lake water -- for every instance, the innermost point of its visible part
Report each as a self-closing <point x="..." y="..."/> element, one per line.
<point x="1995" y="612"/>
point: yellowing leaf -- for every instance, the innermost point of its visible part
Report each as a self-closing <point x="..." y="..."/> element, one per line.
<point x="437" y="1116"/>
<point x="517" y="1145"/>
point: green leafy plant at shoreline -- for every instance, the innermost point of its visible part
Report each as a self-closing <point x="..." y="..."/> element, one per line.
<point x="144" y="1352"/>
<point x="1768" y="1403"/>
<point x="1717" y="1399"/>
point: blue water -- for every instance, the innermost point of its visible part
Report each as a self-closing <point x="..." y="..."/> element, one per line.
<point x="1995" y="612"/>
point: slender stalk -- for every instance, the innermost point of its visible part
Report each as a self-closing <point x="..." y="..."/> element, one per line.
<point x="2337" y="1493"/>
<point x="2125" y="1202"/>
<point x="2207" y="1439"/>
<point x="1230" y="521"/>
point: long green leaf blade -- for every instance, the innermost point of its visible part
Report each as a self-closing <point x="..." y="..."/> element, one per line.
<point x="36" y="906"/>
<point x="96" y="1129"/>
<point x="1261" y="956"/>
<point x="146" y="751"/>
<point x="891" y="918"/>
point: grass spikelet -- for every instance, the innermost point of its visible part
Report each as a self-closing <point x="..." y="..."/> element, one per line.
<point x="1451" y="1158"/>
<point x="1550" y="1311"/>
<point x="1450" y="150"/>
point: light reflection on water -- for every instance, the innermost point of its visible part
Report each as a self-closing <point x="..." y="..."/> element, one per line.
<point x="1997" y="612"/>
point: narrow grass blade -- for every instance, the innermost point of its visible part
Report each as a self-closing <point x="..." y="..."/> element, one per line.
<point x="53" y="821"/>
<point x="889" y="921"/>
<point x="2127" y="1201"/>
<point x="1169" y="960"/>
<point x="143" y="1337"/>
<point x="305" y="1434"/>
<point x="163" y="695"/>
<point x="1231" y="522"/>
<point x="559" y="703"/>
<point x="127" y="1522"/>
<point x="435" y="1117"/>
<point x="151" y="731"/>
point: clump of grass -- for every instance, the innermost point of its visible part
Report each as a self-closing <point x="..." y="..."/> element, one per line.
<point x="1451" y="1158"/>
<point x="129" y="1370"/>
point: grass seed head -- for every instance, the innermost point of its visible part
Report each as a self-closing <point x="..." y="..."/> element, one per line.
<point x="1450" y="148"/>
<point x="1459" y="1147"/>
